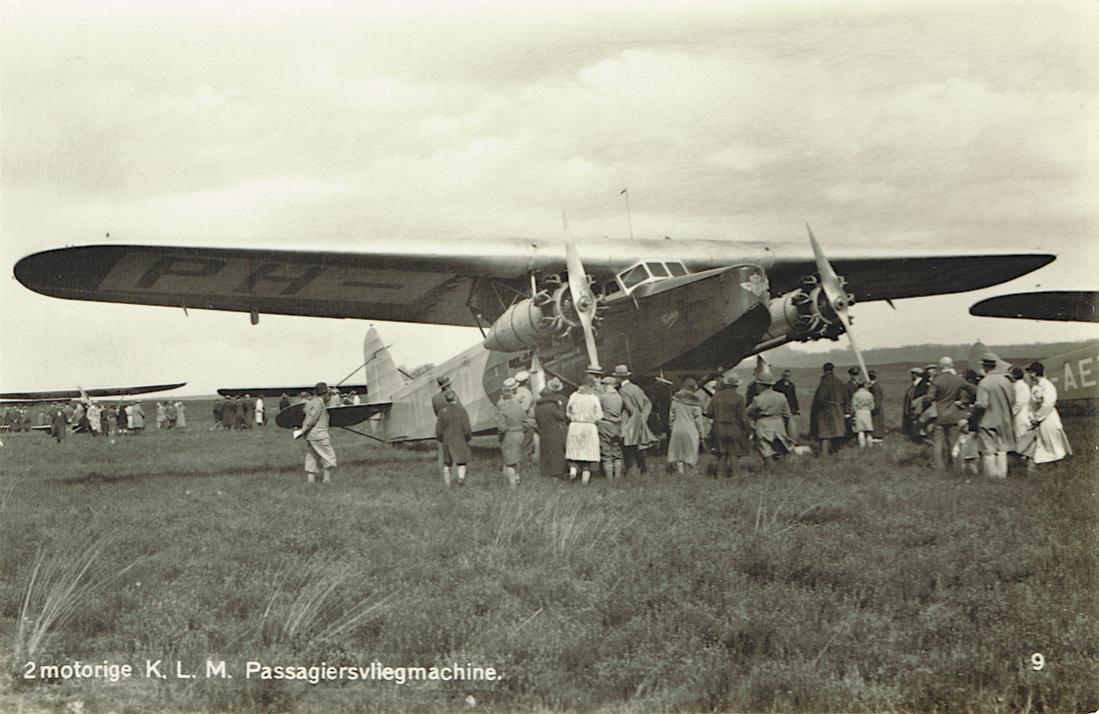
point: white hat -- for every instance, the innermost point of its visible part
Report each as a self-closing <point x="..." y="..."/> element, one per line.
<point x="522" y="376"/>
<point x="946" y="362"/>
<point x="510" y="383"/>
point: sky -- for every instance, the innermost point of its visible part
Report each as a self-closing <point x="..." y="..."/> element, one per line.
<point x="885" y="125"/>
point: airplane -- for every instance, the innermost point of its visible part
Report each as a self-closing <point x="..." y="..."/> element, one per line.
<point x="682" y="305"/>
<point x="59" y="395"/>
<point x="1075" y="373"/>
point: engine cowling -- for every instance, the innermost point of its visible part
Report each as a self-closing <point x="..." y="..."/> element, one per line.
<point x="803" y="314"/>
<point x="532" y="321"/>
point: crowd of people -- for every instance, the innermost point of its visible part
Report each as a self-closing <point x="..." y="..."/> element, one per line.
<point x="87" y="416"/>
<point x="608" y="424"/>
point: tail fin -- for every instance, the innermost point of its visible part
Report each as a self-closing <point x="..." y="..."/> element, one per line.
<point x="762" y="365"/>
<point x="383" y="379"/>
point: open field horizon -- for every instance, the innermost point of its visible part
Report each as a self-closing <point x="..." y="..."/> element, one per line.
<point x="867" y="582"/>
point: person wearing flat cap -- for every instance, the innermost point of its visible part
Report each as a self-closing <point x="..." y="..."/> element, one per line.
<point x="770" y="411"/>
<point x="453" y="432"/>
<point x="730" y="426"/>
<point x="509" y="427"/>
<point x="525" y="398"/>
<point x="636" y="435"/>
<point x="826" y="416"/>
<point x="610" y="428"/>
<point x="908" y="419"/>
<point x="438" y="401"/>
<point x="314" y="431"/>
<point x="549" y="417"/>
<point x="991" y="418"/>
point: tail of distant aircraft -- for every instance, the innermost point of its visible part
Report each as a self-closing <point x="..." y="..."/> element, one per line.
<point x="383" y="379"/>
<point x="762" y="365"/>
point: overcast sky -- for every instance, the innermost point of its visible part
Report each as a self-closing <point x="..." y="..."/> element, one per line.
<point x="938" y="125"/>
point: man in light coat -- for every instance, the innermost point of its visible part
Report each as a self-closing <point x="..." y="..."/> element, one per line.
<point x="318" y="443"/>
<point x="636" y="435"/>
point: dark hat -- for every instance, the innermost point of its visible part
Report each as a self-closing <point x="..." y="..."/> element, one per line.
<point x="321" y="388"/>
<point x="1037" y="368"/>
<point x="827" y="367"/>
<point x="442" y="381"/>
<point x="852" y="371"/>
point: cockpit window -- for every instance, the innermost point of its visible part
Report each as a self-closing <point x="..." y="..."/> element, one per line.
<point x="657" y="269"/>
<point x="634" y="277"/>
<point x="676" y="269"/>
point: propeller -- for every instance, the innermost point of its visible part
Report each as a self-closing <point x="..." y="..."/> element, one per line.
<point x="837" y="297"/>
<point x="583" y="299"/>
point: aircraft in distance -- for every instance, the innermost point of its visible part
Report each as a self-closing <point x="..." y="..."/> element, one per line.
<point x="678" y="305"/>
<point x="1062" y="305"/>
<point x="1075" y="373"/>
<point x="290" y="390"/>
<point x="59" y="395"/>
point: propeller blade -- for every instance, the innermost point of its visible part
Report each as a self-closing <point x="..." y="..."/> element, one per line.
<point x="583" y="300"/>
<point x="837" y="296"/>
<point x="854" y="347"/>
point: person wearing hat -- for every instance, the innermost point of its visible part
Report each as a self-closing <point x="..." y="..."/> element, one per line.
<point x="826" y="415"/>
<point x="770" y="412"/>
<point x="510" y="418"/>
<point x="862" y="407"/>
<point x="453" y="432"/>
<point x="908" y="419"/>
<point x="991" y="419"/>
<point x="610" y="428"/>
<point x="314" y="431"/>
<point x="525" y="398"/>
<point x="438" y="401"/>
<point x="549" y="417"/>
<point x="582" y="440"/>
<point x="636" y="435"/>
<point x="1045" y="440"/>
<point x="730" y="429"/>
<point x="946" y="394"/>
<point x="685" y="419"/>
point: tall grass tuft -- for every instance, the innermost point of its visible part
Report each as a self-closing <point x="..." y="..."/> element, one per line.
<point x="58" y="588"/>
<point x="306" y="606"/>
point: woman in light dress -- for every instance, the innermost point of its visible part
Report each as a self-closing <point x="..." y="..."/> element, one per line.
<point x="582" y="441"/>
<point x="685" y="420"/>
<point x="1044" y="441"/>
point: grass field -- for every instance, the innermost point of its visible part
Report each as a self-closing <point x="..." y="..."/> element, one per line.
<point x="863" y="583"/>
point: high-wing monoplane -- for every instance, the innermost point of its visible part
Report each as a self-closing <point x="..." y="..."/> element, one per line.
<point x="57" y="395"/>
<point x="677" y="305"/>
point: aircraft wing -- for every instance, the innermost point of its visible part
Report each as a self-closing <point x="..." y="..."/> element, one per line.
<point x="435" y="282"/>
<point x="46" y="396"/>
<point x="1062" y="305"/>
<point x="276" y="392"/>
<point x="293" y="416"/>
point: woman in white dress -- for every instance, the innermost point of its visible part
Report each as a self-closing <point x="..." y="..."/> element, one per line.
<point x="1020" y="408"/>
<point x="1045" y="439"/>
<point x="582" y="440"/>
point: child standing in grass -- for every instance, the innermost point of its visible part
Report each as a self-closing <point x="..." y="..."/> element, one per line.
<point x="862" y="403"/>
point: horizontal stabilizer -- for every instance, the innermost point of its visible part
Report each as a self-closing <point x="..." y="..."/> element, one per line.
<point x="291" y="391"/>
<point x="345" y="415"/>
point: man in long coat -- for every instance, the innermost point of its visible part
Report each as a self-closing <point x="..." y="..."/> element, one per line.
<point x="826" y="416"/>
<point x="908" y="419"/>
<point x="453" y="431"/>
<point x="730" y="429"/>
<point x="549" y="416"/>
<point x="786" y="387"/>
<point x="991" y="418"/>
<point x="58" y="423"/>
<point x="636" y="435"/>
<point x="945" y="391"/>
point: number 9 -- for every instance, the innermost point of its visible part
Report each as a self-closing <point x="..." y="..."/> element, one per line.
<point x="1037" y="661"/>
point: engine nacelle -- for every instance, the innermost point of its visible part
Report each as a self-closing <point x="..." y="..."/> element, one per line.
<point x="803" y="314"/>
<point x="523" y="325"/>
